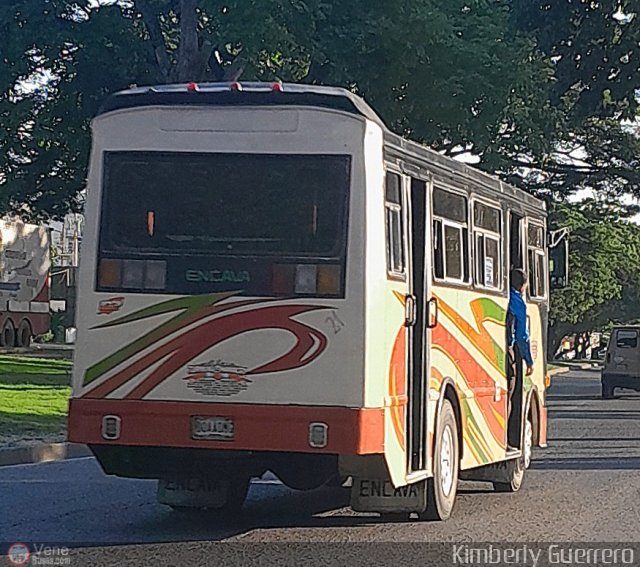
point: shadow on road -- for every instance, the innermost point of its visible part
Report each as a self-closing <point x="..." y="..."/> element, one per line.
<point x="280" y="508"/>
<point x="584" y="414"/>
<point x="588" y="463"/>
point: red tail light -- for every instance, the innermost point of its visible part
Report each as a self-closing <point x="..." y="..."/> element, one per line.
<point x="283" y="279"/>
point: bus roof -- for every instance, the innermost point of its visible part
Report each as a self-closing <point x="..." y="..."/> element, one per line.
<point x="293" y="94"/>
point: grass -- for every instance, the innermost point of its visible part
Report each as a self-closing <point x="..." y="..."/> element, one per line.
<point x="34" y="395"/>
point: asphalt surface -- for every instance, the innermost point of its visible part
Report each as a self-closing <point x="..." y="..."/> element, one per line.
<point x="584" y="488"/>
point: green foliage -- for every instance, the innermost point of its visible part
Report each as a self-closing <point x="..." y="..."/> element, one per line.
<point x="34" y="401"/>
<point x="594" y="48"/>
<point x="517" y="83"/>
<point x="22" y="365"/>
<point x="604" y="268"/>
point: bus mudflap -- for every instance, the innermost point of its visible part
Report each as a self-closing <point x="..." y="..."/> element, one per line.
<point x="379" y="495"/>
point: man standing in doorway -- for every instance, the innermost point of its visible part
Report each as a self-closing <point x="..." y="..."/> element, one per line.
<point x="518" y="342"/>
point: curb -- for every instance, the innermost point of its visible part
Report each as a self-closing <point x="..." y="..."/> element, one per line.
<point x="578" y="365"/>
<point x="42" y="453"/>
<point x="555" y="371"/>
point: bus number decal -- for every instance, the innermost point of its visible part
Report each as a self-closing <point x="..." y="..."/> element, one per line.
<point x="336" y="323"/>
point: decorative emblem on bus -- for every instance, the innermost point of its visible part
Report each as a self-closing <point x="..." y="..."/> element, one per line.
<point x="217" y="378"/>
<point x="199" y="323"/>
<point x="109" y="306"/>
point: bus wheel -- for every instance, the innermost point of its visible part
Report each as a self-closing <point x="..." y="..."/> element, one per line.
<point x="607" y="391"/>
<point x="8" y="336"/>
<point x="237" y="490"/>
<point x="236" y="496"/>
<point x="521" y="464"/>
<point x="23" y="338"/>
<point x="443" y="487"/>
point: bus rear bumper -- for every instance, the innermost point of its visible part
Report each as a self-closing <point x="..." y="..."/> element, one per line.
<point x="256" y="427"/>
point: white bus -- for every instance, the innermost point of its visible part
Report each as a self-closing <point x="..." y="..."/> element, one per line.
<point x="272" y="280"/>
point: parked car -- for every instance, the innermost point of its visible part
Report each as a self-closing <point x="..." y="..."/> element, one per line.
<point x="622" y="361"/>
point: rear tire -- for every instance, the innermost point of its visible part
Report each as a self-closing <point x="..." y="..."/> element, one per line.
<point x="607" y="391"/>
<point x="443" y="487"/>
<point x="8" y="335"/>
<point x="238" y="490"/>
<point x="24" y="335"/>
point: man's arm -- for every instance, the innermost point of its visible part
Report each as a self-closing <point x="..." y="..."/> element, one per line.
<point x="522" y="337"/>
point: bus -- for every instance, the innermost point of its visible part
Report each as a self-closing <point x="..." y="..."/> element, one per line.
<point x="271" y="280"/>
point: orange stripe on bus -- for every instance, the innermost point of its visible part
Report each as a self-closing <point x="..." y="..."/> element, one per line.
<point x="351" y="431"/>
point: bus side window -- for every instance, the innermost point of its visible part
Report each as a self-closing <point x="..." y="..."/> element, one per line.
<point x="537" y="264"/>
<point x="450" y="237"/>
<point x="487" y="229"/>
<point x="438" y="250"/>
<point x="395" y="229"/>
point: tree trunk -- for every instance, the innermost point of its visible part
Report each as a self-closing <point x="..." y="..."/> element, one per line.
<point x="150" y="18"/>
<point x="188" y="53"/>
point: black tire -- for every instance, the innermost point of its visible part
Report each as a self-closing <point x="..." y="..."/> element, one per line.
<point x="238" y="490"/>
<point x="607" y="391"/>
<point x="8" y="335"/>
<point x="443" y="487"/>
<point x="24" y="335"/>
<point x="521" y="463"/>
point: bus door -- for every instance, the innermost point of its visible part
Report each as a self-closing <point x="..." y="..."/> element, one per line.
<point x="517" y="260"/>
<point x="417" y="305"/>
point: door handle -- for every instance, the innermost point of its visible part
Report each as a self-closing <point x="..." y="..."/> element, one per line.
<point x="409" y="310"/>
<point x="432" y="310"/>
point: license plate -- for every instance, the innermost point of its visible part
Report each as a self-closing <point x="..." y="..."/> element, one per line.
<point x="218" y="428"/>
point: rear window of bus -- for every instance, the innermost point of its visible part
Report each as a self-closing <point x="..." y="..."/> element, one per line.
<point x="225" y="203"/>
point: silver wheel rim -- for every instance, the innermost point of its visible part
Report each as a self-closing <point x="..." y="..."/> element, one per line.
<point x="446" y="461"/>
<point x="528" y="443"/>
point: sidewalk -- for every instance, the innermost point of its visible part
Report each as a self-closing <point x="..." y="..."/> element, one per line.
<point x="587" y="365"/>
<point x="42" y="453"/>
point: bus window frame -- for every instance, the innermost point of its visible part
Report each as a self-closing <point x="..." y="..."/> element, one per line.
<point x="388" y="205"/>
<point x="538" y="251"/>
<point x="462" y="283"/>
<point x="486" y="232"/>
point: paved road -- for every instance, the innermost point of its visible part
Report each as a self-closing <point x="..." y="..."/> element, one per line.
<point x="585" y="487"/>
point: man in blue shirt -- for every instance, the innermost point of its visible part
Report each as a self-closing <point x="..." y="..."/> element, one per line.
<point x="518" y="342"/>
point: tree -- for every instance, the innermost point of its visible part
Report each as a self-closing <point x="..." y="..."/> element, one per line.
<point x="595" y="51"/>
<point x="604" y="271"/>
<point x="462" y="76"/>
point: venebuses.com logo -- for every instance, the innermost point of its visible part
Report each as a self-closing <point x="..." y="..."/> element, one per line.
<point x="38" y="554"/>
<point x="19" y="554"/>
